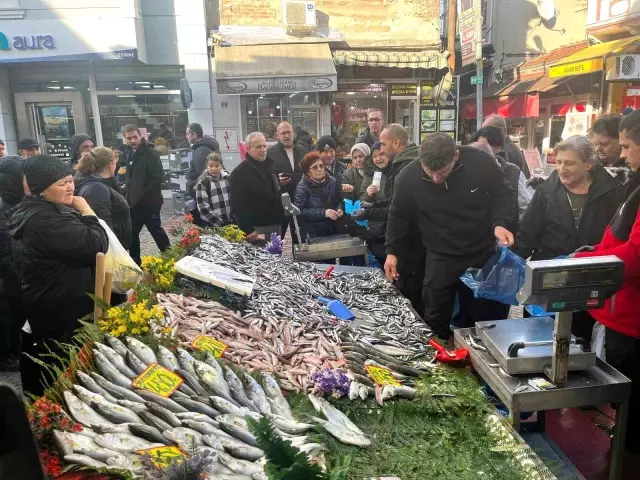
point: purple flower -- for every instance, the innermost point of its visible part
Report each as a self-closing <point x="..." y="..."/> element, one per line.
<point x="331" y="382"/>
<point x="275" y="244"/>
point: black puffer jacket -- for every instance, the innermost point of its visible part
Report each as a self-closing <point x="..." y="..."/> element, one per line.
<point x="11" y="192"/>
<point x="102" y="196"/>
<point x="201" y="150"/>
<point x="74" y="146"/>
<point x="548" y="228"/>
<point x="55" y="250"/>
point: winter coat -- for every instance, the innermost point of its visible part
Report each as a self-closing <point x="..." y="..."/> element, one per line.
<point x="313" y="198"/>
<point x="201" y="150"/>
<point x="278" y="154"/>
<point x="255" y="194"/>
<point x="622" y="239"/>
<point x="366" y="137"/>
<point x="355" y="178"/>
<point x="55" y="250"/>
<point x="548" y="227"/>
<point x="144" y="177"/>
<point x="337" y="169"/>
<point x="213" y="200"/>
<point x="514" y="155"/>
<point x="512" y="175"/>
<point x="74" y="145"/>
<point x="103" y="197"/>
<point x="456" y="218"/>
<point x="11" y="192"/>
<point x="304" y="140"/>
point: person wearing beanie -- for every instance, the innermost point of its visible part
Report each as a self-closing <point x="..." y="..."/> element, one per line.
<point x="79" y="144"/>
<point x="12" y="315"/>
<point x="56" y="237"/>
<point x="354" y="175"/>
<point x="327" y="147"/>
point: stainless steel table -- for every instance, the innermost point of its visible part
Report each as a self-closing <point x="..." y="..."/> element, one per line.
<point x="597" y="385"/>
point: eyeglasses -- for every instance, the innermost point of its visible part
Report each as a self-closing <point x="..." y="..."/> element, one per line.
<point x="375" y="119"/>
<point x="317" y="167"/>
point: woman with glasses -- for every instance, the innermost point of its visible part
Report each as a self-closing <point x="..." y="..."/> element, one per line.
<point x="318" y="198"/>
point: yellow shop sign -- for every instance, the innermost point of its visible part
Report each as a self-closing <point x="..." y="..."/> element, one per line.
<point x="576" y="68"/>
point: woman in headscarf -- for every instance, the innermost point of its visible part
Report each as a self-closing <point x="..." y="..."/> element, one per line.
<point x="353" y="176"/>
<point x="57" y="237"/>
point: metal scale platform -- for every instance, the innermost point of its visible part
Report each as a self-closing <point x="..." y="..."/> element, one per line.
<point x="323" y="248"/>
<point x="513" y="355"/>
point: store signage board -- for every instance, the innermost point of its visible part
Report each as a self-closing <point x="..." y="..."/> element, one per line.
<point x="210" y="344"/>
<point x="158" y="380"/>
<point x="381" y="375"/>
<point x="404" y="90"/>
<point x="243" y="86"/>
<point x="467" y="27"/>
<point x="228" y="139"/>
<point x="576" y="68"/>
<point x="73" y="39"/>
<point x="477" y="80"/>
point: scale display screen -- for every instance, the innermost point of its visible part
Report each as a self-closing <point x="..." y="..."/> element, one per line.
<point x="579" y="278"/>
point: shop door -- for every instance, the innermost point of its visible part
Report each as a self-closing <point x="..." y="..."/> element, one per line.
<point x="52" y="119"/>
<point x="306" y="118"/>
<point x="404" y="113"/>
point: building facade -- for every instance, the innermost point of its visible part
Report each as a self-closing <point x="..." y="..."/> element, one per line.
<point x="66" y="70"/>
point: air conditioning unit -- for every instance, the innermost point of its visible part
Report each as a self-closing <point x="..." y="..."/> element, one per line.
<point x="298" y="14"/>
<point x="623" y="67"/>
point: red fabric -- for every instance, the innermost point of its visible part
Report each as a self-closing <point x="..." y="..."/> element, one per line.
<point x="625" y="318"/>
<point x="509" y="106"/>
<point x="243" y="150"/>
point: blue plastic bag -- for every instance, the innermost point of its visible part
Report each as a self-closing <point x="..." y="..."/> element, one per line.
<point x="500" y="278"/>
<point x="350" y="206"/>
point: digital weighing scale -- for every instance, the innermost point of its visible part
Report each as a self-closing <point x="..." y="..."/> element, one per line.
<point x="512" y="355"/>
<point x="323" y="248"/>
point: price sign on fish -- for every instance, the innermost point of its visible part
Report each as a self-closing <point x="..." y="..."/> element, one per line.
<point x="211" y="345"/>
<point x="158" y="380"/>
<point x="162" y="456"/>
<point x="381" y="376"/>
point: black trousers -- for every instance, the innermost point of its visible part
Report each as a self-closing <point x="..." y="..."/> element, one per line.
<point x="147" y="216"/>
<point x="442" y="283"/>
<point x="410" y="280"/>
<point x="12" y="318"/>
<point x="623" y="354"/>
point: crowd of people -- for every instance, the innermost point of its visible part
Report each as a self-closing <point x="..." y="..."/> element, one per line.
<point x="427" y="213"/>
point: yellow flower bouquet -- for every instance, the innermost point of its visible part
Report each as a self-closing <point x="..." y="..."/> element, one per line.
<point x="133" y="319"/>
<point x="163" y="272"/>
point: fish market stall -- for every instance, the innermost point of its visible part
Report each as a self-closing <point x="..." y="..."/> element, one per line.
<point x="189" y="376"/>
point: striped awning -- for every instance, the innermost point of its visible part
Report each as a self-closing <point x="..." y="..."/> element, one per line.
<point x="368" y="58"/>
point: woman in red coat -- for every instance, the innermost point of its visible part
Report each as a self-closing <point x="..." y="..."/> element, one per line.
<point x="622" y="239"/>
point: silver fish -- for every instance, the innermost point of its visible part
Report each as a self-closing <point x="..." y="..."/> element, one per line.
<point x="126" y="461"/>
<point x="243" y="452"/>
<point x="334" y="415"/>
<point x="391" y="391"/>
<point x="164" y="414"/>
<point x="256" y="394"/>
<point x="142" y="351"/>
<point x="198" y="406"/>
<point x="155" y="421"/>
<point x="162" y="401"/>
<point x="347" y="436"/>
<point x="116" y="413"/>
<point x="211" y="377"/>
<point x="95" y="452"/>
<point x="116" y="390"/>
<point x="167" y="359"/>
<point x="110" y="428"/>
<point x="109" y="371"/>
<point x="91" y="385"/>
<point x="116" y="360"/>
<point x="117" y="345"/>
<point x="135" y="363"/>
<point x="197" y="417"/>
<point x="123" y="442"/>
<point x="239" y="466"/>
<point x="146" y="432"/>
<point x="290" y="426"/>
<point x="186" y="438"/>
<point x="226" y="406"/>
<point x="203" y="428"/>
<point x="240" y="433"/>
<point x="353" y="390"/>
<point x="185" y="360"/>
<point x="211" y="361"/>
<point x="133" y="406"/>
<point x="78" y="459"/>
<point x="82" y="412"/>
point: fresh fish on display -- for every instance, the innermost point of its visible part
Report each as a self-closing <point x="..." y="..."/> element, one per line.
<point x="185" y="360"/>
<point x="191" y="380"/>
<point x="81" y="412"/>
<point x="167" y="403"/>
<point x="167" y="359"/>
<point x="338" y="424"/>
<point x="155" y="421"/>
<point x="116" y="390"/>
<point x="123" y="442"/>
<point x="91" y="385"/>
<point x="185" y="438"/>
<point x="256" y="394"/>
<point x="203" y="428"/>
<point x="111" y="428"/>
<point x="117" y="345"/>
<point x="197" y="407"/>
<point x="133" y="406"/>
<point x="137" y="365"/>
<point x="164" y="414"/>
<point x="116" y="360"/>
<point x="109" y="371"/>
<point x="239" y="466"/>
<point x="129" y="462"/>
<point x="197" y="417"/>
<point x="211" y="378"/>
<point x="142" y="351"/>
<point x="115" y="413"/>
<point x="278" y="403"/>
<point x="146" y="432"/>
<point x="243" y="452"/>
<point x="240" y="433"/>
<point x="225" y="406"/>
<point x="83" y="460"/>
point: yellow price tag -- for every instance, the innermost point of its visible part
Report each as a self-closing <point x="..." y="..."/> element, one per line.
<point x="381" y="375"/>
<point x="163" y="456"/>
<point x="158" y="380"/>
<point x="211" y="345"/>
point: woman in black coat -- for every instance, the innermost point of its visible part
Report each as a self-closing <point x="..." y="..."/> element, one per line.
<point x="95" y="182"/>
<point x="56" y="239"/>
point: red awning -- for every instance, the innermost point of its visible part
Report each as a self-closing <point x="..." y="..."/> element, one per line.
<point x="509" y="106"/>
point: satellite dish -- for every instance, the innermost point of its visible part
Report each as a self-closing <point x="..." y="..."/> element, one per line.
<point x="547" y="10"/>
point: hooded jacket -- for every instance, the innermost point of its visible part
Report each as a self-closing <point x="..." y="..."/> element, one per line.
<point x="201" y="150"/>
<point x="74" y="146"/>
<point x="102" y="196"/>
<point x="456" y="218"/>
<point x="55" y="250"/>
<point x="304" y="140"/>
<point x="313" y="198"/>
<point x="11" y="192"/>
<point x="622" y="239"/>
<point x="366" y="137"/>
<point x="144" y="176"/>
<point x="548" y="227"/>
<point x="255" y="194"/>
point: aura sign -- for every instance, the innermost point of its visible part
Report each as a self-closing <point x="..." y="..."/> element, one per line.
<point x="33" y="42"/>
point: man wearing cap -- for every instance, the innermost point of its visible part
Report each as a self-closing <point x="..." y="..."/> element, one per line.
<point x="28" y="147"/>
<point x="327" y="148"/>
<point x="79" y="144"/>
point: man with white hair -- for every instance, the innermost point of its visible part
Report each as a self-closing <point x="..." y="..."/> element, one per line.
<point x="255" y="192"/>
<point x="510" y="153"/>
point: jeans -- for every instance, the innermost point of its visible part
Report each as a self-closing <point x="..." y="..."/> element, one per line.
<point x="147" y="216"/>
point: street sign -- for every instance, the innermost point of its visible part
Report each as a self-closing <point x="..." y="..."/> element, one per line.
<point x="477" y="80"/>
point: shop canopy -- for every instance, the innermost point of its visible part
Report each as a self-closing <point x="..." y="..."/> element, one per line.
<point x="283" y="68"/>
<point x="591" y="59"/>
<point x="398" y="59"/>
<point x="509" y="106"/>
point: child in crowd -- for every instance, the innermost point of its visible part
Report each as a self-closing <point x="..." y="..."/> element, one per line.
<point x="212" y="193"/>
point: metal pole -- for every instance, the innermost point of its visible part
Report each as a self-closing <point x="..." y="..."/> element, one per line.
<point x="95" y="106"/>
<point x="479" y="64"/>
<point x="451" y="33"/>
<point x="561" y="344"/>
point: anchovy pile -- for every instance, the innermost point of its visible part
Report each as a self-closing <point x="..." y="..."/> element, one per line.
<point x="207" y="415"/>
<point x="285" y="288"/>
<point x="293" y="354"/>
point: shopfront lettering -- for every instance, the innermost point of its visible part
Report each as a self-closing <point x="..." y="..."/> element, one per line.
<point x="319" y="83"/>
<point x="231" y="87"/>
<point x="277" y="85"/>
<point x="34" y="42"/>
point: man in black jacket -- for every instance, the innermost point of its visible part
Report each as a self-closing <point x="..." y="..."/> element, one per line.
<point x="79" y="144"/>
<point x="287" y="156"/>
<point x="143" y="191"/>
<point x="255" y="192"/>
<point x="460" y="201"/>
<point x="511" y="151"/>
<point x="375" y="121"/>
<point x="202" y="146"/>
